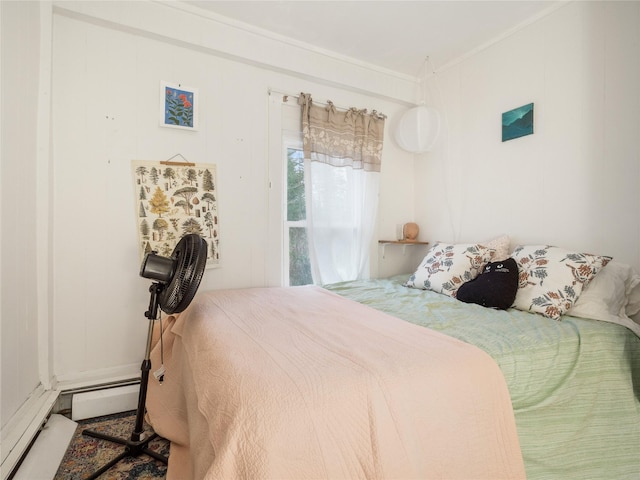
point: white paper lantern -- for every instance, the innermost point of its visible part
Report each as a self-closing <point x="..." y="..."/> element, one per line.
<point x="418" y="129"/>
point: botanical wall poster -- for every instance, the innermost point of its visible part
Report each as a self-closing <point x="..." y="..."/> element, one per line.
<point x="173" y="200"/>
<point x="517" y="122"/>
<point x="178" y="106"/>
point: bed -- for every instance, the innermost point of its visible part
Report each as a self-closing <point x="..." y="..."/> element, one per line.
<point x="372" y="379"/>
<point x="574" y="384"/>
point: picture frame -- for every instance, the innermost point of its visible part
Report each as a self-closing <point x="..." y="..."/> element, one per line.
<point x="178" y="106"/>
<point x="517" y="123"/>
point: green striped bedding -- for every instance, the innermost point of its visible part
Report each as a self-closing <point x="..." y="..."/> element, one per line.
<point x="574" y="383"/>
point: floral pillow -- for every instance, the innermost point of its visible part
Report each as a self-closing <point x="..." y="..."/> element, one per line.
<point x="551" y="279"/>
<point x="447" y="266"/>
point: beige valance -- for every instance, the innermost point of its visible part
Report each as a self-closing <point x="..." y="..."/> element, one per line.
<point x="342" y="138"/>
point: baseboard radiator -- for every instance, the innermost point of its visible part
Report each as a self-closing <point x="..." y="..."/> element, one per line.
<point x="97" y="401"/>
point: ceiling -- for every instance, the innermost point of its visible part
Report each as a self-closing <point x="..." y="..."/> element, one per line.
<point x="394" y="34"/>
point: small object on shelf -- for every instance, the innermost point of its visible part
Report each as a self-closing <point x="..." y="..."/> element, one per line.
<point x="410" y="231"/>
<point x="399" y="231"/>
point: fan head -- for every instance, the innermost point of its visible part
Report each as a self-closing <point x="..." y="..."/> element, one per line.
<point x="180" y="274"/>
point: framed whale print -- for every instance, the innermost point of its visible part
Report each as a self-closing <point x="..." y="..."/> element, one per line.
<point x="517" y="123"/>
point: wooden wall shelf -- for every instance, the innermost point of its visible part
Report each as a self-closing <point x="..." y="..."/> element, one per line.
<point x="404" y="244"/>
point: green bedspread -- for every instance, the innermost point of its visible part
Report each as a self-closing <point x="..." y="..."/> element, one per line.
<point x="574" y="383"/>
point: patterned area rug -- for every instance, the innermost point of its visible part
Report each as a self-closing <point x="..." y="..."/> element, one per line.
<point x="86" y="455"/>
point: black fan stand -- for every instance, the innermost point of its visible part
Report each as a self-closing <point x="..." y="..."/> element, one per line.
<point x="137" y="445"/>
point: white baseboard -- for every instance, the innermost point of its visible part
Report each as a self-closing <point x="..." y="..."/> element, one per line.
<point x="104" y="402"/>
<point x="93" y="378"/>
<point x="18" y="433"/>
<point x="45" y="455"/>
<point x="22" y="428"/>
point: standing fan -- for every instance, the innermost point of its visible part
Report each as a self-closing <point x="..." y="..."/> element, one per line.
<point x="177" y="281"/>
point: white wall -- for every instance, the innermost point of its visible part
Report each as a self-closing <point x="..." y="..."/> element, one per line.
<point x="26" y="379"/>
<point x="108" y="61"/>
<point x="19" y="314"/>
<point x="573" y="183"/>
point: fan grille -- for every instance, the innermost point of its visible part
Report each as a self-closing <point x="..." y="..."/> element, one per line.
<point x="190" y="256"/>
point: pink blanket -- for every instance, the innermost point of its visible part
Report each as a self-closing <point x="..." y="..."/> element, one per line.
<point x="299" y="383"/>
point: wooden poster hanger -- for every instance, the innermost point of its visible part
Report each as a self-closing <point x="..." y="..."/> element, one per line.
<point x="185" y="162"/>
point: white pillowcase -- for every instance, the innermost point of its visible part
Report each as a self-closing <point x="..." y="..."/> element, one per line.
<point x="551" y="279"/>
<point x="633" y="300"/>
<point x="447" y="266"/>
<point x="612" y="296"/>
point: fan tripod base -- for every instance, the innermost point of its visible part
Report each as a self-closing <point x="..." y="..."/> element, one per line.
<point x="136" y="445"/>
<point x="133" y="448"/>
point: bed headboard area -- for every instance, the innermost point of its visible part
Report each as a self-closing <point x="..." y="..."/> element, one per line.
<point x="544" y="279"/>
<point x="466" y="204"/>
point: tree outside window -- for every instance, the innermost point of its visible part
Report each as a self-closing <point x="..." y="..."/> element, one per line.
<point x="296" y="231"/>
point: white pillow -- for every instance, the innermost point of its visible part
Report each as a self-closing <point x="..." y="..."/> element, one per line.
<point x="501" y="245"/>
<point x="633" y="296"/>
<point x="607" y="295"/>
<point x="447" y="266"/>
<point x="551" y="279"/>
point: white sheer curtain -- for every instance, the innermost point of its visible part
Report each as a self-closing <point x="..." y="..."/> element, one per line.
<point x="343" y="151"/>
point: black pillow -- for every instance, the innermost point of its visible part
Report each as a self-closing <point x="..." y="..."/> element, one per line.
<point x="495" y="287"/>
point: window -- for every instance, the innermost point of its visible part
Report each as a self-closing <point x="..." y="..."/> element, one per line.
<point x="295" y="224"/>
<point x="343" y="202"/>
